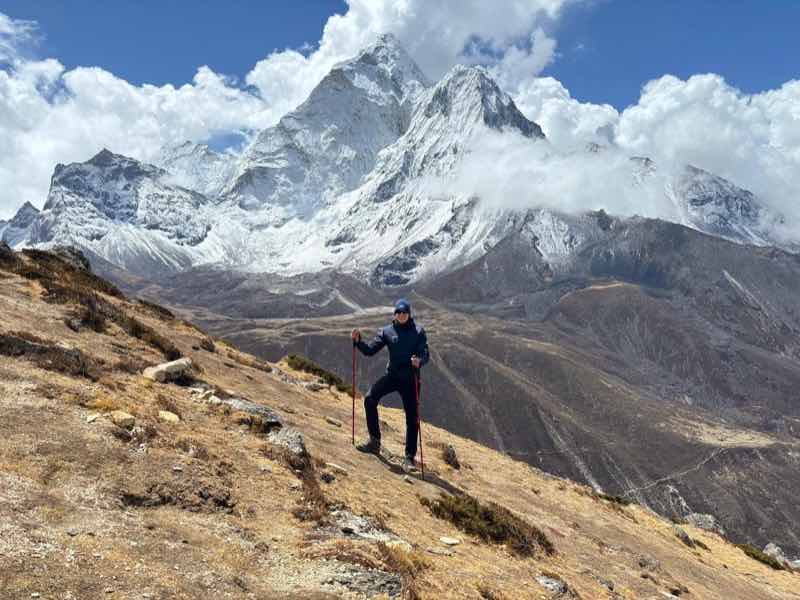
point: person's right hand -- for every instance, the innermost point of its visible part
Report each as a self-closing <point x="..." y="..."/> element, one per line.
<point x="355" y="335"/>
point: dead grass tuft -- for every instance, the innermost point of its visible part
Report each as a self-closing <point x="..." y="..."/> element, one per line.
<point x="407" y="564"/>
<point x="490" y="522"/>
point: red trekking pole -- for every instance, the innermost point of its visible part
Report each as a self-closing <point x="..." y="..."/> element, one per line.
<point x="354" y="393"/>
<point x="419" y="425"/>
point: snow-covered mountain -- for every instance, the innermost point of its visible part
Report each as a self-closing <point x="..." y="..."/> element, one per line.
<point x="327" y="145"/>
<point x="17" y="231"/>
<point x="197" y="167"/>
<point x="356" y="179"/>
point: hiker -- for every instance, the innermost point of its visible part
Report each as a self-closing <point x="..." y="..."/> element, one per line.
<point x="408" y="351"/>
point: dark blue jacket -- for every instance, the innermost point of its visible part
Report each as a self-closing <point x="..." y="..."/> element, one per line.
<point x="403" y="341"/>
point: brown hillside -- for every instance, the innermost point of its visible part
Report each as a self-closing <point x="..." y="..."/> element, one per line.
<point x="214" y="506"/>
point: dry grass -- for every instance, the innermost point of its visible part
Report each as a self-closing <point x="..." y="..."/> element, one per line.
<point x="407" y="564"/>
<point x="491" y="523"/>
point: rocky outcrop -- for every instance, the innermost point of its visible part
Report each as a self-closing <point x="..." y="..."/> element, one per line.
<point x="170" y="371"/>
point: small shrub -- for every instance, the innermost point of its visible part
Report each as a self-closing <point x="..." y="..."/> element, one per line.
<point x="156" y="310"/>
<point x="91" y="316"/>
<point x="760" y="556"/>
<point x="613" y="499"/>
<point x="48" y="356"/>
<point x="490" y="522"/>
<point x="450" y="457"/>
<point x="168" y="404"/>
<point x="104" y="404"/>
<point x="207" y="344"/>
<point x="487" y="593"/>
<point x="301" y="363"/>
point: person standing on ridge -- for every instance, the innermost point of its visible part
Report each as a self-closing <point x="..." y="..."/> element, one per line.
<point x="408" y="351"/>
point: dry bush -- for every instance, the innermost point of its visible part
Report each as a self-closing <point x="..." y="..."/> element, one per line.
<point x="193" y="448"/>
<point x="301" y="363"/>
<point x="44" y="355"/>
<point x="156" y="310"/>
<point x="760" y="556"/>
<point x="407" y="564"/>
<point x="168" y="404"/>
<point x="207" y="344"/>
<point x="490" y="522"/>
<point x="104" y="404"/>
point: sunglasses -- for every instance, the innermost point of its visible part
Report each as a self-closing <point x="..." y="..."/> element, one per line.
<point x="401" y="312"/>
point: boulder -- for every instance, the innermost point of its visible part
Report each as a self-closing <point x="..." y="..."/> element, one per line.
<point x="313" y="386"/>
<point x="122" y="419"/>
<point x="267" y="418"/>
<point x="554" y="585"/>
<point x="332" y="421"/>
<point x="450" y="541"/>
<point x="293" y="442"/>
<point x="169" y="371"/>
<point x="705" y="521"/>
<point x="776" y="552"/>
<point x="168" y="417"/>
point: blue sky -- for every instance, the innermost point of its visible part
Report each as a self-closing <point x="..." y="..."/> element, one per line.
<point x="607" y="49"/>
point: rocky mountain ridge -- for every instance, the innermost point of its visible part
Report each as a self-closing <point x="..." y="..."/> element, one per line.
<point x="344" y="181"/>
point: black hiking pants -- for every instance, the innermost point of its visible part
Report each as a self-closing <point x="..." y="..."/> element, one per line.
<point x="386" y="385"/>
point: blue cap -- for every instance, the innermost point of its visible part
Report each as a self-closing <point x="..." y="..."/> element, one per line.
<point x="402" y="305"/>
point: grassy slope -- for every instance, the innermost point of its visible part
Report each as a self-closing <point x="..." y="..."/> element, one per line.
<point x="225" y="527"/>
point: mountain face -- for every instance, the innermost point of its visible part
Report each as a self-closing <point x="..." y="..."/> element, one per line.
<point x="325" y="146"/>
<point x="196" y="167"/>
<point x="358" y="178"/>
<point x="124" y="211"/>
<point x="17" y="231"/>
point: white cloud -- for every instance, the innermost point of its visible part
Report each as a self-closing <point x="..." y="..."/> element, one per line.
<point x="751" y="139"/>
<point x="50" y="115"/>
<point x="434" y="33"/>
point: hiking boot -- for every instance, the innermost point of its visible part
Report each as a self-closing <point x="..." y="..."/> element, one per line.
<point x="371" y="446"/>
<point x="408" y="464"/>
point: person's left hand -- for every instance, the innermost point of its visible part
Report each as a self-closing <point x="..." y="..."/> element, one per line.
<point x="415" y="362"/>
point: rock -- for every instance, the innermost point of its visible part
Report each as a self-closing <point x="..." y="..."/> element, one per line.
<point x="122" y="419"/>
<point x="705" y="521"/>
<point x="554" y="585"/>
<point x="450" y="457"/>
<point x="206" y="394"/>
<point x="168" y="417"/>
<point x="169" y="371"/>
<point x="313" y="386"/>
<point x="649" y="563"/>
<point x="92" y="418"/>
<point x="269" y="419"/>
<point x="681" y="534"/>
<point x="449" y="541"/>
<point x="336" y="468"/>
<point x="293" y="441"/>
<point x="215" y="400"/>
<point x="408" y="479"/>
<point x="795" y="564"/>
<point x="440" y="551"/>
<point x="327" y="477"/>
<point x="776" y="552"/>
<point x="333" y="421"/>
